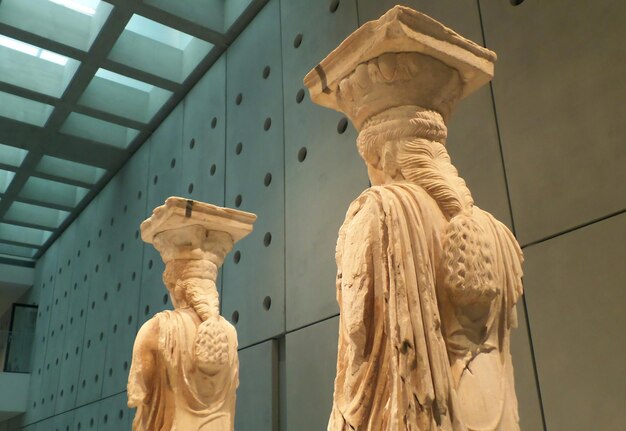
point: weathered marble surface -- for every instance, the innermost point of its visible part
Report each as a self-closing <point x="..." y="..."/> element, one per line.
<point x="427" y="282"/>
<point x="185" y="370"/>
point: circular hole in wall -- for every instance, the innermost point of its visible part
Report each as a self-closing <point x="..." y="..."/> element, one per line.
<point x="266" y="72"/>
<point x="300" y="96"/>
<point x="342" y="125"/>
<point x="334" y="4"/>
<point x="192" y="143"/>
<point x="238" y="148"/>
<point x="297" y="41"/>
<point x="212" y="170"/>
<point x="190" y="188"/>
<point x="213" y="122"/>
<point x="238" y="99"/>
<point x="302" y="154"/>
<point x="238" y="200"/>
<point x="237" y="256"/>
<point x="268" y="179"/>
<point x="267" y="239"/>
<point x="235" y="317"/>
<point x="267" y="124"/>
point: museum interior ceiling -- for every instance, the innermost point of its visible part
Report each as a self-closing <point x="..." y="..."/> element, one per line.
<point x="83" y="83"/>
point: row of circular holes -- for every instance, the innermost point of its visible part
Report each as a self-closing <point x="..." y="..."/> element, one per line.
<point x="105" y="419"/>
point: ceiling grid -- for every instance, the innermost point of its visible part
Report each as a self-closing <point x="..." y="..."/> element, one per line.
<point x="82" y="91"/>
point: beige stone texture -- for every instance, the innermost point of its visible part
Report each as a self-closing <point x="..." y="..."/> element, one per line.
<point x="185" y="369"/>
<point x="427" y="282"/>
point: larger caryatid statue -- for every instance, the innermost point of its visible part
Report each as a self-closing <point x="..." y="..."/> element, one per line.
<point x="185" y="369"/>
<point x="427" y="282"/>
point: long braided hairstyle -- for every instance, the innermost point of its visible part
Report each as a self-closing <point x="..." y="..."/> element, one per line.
<point x="408" y="143"/>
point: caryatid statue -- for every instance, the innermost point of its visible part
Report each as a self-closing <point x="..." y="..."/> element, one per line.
<point x="427" y="282"/>
<point x="185" y="369"/>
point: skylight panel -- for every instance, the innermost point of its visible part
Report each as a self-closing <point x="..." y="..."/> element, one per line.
<point x="53" y="57"/>
<point x="86" y="7"/>
<point x="5" y="179"/>
<point x="124" y="80"/>
<point x="26" y="48"/>
<point x="19" y="46"/>
<point x="158" y="32"/>
<point x="11" y="155"/>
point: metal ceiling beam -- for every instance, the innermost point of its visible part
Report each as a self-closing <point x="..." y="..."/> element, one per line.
<point x="43" y="204"/>
<point x="29" y="225"/>
<point x="53" y="143"/>
<point x="19" y="244"/>
<point x="42" y="42"/>
<point x="69" y="147"/>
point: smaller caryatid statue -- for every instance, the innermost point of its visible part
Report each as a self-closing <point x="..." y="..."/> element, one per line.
<point x="427" y="282"/>
<point x="185" y="369"/>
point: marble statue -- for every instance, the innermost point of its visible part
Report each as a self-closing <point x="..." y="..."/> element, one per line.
<point x="427" y="282"/>
<point x="185" y="369"/>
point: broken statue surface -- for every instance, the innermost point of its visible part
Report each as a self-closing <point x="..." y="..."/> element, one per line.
<point x="185" y="369"/>
<point x="427" y="282"/>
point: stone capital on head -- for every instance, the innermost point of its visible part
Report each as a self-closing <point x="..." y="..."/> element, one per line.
<point x="403" y="58"/>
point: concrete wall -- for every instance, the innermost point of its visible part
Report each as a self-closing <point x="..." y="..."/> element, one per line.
<point x="542" y="149"/>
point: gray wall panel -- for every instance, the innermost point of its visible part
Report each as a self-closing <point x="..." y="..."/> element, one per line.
<point x="526" y="389"/>
<point x="311" y="360"/>
<point x="559" y="93"/>
<point x="164" y="180"/>
<point x="122" y="289"/>
<point x="320" y="188"/>
<point x="204" y="140"/>
<point x="253" y="65"/>
<point x="86" y="418"/>
<point x="113" y="415"/>
<point x="575" y="293"/>
<point x="257" y="396"/>
<point x="77" y="314"/>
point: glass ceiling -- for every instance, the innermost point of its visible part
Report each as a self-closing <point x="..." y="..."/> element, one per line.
<point x="80" y="78"/>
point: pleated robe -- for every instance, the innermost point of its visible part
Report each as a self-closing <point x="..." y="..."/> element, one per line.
<point x="393" y="367"/>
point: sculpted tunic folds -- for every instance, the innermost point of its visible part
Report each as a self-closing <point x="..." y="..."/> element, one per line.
<point x="409" y="357"/>
<point x="169" y="386"/>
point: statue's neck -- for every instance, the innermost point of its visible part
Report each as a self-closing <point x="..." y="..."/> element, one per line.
<point x="403" y="122"/>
